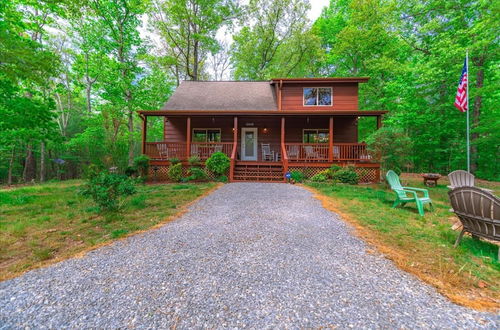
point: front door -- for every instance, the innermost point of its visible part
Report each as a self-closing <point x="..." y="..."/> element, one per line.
<point x="249" y="143"/>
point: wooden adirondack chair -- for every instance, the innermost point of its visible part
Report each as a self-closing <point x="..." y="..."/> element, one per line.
<point x="408" y="194"/>
<point x="460" y="178"/>
<point x="478" y="211"/>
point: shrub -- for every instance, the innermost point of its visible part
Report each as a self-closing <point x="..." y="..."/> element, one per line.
<point x="346" y="175"/>
<point x="194" y="160"/>
<point x="106" y="189"/>
<point x="198" y="174"/>
<point x="91" y="171"/>
<point x="141" y="163"/>
<point x="130" y="171"/>
<point x="174" y="161"/>
<point x="332" y="170"/>
<point x="297" y="176"/>
<point x="175" y="172"/>
<point x="222" y="178"/>
<point x="320" y="177"/>
<point x="218" y="163"/>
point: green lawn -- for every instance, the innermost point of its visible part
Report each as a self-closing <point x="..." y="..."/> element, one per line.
<point x="49" y="222"/>
<point x="469" y="274"/>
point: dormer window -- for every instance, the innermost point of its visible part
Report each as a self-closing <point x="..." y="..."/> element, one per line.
<point x="317" y="96"/>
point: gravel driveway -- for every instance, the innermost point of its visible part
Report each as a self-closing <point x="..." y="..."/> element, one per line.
<point x="249" y="255"/>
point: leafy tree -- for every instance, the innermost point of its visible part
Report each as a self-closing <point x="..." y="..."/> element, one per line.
<point x="392" y="147"/>
<point x="277" y="44"/>
<point x="188" y="29"/>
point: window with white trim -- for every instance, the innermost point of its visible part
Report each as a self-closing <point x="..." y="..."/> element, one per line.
<point x="206" y="135"/>
<point x="315" y="136"/>
<point x="317" y="96"/>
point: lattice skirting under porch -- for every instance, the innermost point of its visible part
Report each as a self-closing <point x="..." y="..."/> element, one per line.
<point x="366" y="174"/>
<point x="308" y="172"/>
<point x="159" y="173"/>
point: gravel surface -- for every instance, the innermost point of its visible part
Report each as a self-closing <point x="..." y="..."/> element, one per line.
<point x="249" y="255"/>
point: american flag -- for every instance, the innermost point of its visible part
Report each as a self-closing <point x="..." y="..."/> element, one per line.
<point x="461" y="98"/>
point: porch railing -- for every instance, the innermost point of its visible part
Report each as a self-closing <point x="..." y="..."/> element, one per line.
<point x="351" y="152"/>
<point x="165" y="150"/>
<point x="169" y="150"/>
<point x="291" y="152"/>
<point x="313" y="152"/>
<point x="205" y="149"/>
<point x="306" y="152"/>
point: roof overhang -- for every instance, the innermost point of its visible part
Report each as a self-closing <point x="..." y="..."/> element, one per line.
<point x="327" y="79"/>
<point x="263" y="112"/>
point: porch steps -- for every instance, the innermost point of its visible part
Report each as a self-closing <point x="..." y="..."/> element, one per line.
<point x="258" y="172"/>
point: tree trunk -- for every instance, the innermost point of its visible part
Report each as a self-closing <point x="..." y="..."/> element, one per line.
<point x="42" y="161"/>
<point x="131" y="145"/>
<point x="195" y="61"/>
<point x="11" y="164"/>
<point x="89" y="105"/>
<point x="29" y="171"/>
<point x="476" y="113"/>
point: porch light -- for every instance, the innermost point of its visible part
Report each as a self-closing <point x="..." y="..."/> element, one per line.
<point x="264" y="130"/>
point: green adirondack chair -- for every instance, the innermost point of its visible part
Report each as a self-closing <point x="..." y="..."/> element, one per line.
<point x="408" y="194"/>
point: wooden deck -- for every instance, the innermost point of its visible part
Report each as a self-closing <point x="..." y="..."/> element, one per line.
<point x="307" y="158"/>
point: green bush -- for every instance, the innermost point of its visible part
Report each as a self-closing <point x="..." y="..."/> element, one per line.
<point x="141" y="163"/>
<point x="194" y="160"/>
<point x="175" y="172"/>
<point x="218" y="163"/>
<point x="332" y="170"/>
<point x="222" y="178"/>
<point x="106" y="189"/>
<point x="130" y="171"/>
<point x="91" y="171"/>
<point x="346" y="175"/>
<point x="198" y="174"/>
<point x="320" y="177"/>
<point x="297" y="176"/>
<point x="174" y="161"/>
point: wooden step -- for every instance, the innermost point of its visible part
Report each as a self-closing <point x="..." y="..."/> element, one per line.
<point x="248" y="172"/>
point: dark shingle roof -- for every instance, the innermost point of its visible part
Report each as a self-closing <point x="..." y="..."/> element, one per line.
<point x="222" y="95"/>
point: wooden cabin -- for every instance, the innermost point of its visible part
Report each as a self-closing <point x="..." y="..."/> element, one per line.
<point x="266" y="128"/>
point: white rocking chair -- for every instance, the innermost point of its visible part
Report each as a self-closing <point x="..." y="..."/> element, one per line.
<point x="162" y="150"/>
<point x="267" y="154"/>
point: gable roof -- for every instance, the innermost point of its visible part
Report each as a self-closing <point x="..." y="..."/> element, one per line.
<point x="223" y="95"/>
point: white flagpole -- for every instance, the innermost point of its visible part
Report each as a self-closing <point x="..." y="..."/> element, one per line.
<point x="468" y="110"/>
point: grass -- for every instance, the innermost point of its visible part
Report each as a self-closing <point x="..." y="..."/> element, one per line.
<point x="469" y="274"/>
<point x="44" y="223"/>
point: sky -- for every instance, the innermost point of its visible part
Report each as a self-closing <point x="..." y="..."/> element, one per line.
<point x="316" y="7"/>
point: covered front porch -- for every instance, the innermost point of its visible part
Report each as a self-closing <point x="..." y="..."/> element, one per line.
<point x="287" y="141"/>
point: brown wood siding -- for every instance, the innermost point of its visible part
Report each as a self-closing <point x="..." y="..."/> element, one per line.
<point x="175" y="129"/>
<point x="345" y="97"/>
<point x="345" y="130"/>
